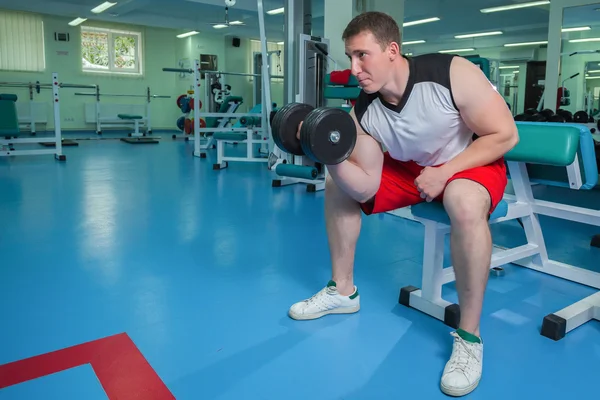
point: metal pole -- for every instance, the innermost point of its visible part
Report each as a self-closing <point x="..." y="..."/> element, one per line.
<point x="185" y="70"/>
<point x="289" y="65"/>
<point x="196" y="100"/>
<point x="266" y="80"/>
<point x="57" y="130"/>
<point x="75" y="85"/>
<point x="148" y="123"/>
<point x="206" y="71"/>
<point x="154" y="96"/>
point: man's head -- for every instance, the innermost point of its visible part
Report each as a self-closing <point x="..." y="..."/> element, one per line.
<point x="372" y="41"/>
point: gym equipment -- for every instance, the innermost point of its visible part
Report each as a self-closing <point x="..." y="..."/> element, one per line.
<point x="564" y="147"/>
<point x="297" y="171"/>
<point x="285" y="126"/>
<point x="6" y="145"/>
<point x="32" y="112"/>
<point x="110" y="114"/>
<point x="135" y="137"/>
<point x="567" y="115"/>
<point x="581" y="117"/>
<point x="214" y="121"/>
<point x="311" y="62"/>
<point x="327" y="136"/>
<point x="255" y="136"/>
<point x="257" y="67"/>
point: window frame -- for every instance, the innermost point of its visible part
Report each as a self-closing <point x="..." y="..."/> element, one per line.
<point x="112" y="34"/>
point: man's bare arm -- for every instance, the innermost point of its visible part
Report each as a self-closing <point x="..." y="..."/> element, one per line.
<point x="485" y="112"/>
<point x="360" y="174"/>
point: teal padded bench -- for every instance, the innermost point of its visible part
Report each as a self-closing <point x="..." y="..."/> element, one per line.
<point x="554" y="154"/>
<point x="336" y="91"/>
<point x="136" y="137"/>
<point x="9" y="120"/>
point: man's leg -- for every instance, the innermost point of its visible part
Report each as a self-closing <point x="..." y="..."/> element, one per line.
<point x="468" y="202"/>
<point x="343" y="205"/>
<point x="343" y="222"/>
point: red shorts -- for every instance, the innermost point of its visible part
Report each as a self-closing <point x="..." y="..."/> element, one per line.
<point x="398" y="189"/>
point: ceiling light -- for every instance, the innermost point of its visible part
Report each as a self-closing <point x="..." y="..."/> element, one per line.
<point x="525" y="44"/>
<point x="594" y="71"/>
<point x="280" y="43"/>
<point x="236" y="23"/>
<point x="594" y="39"/>
<point x="276" y="11"/>
<point x="413" y="42"/>
<point x="455" y="51"/>
<point x="102" y="7"/>
<point x="508" y="67"/>
<point x="514" y="6"/>
<point x="592" y="77"/>
<point x="581" y="28"/>
<point x="182" y="35"/>
<point x="77" y="21"/>
<point x="472" y="35"/>
<point x="421" y="21"/>
<point x="219" y="26"/>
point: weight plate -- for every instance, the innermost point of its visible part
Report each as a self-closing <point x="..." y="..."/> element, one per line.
<point x="328" y="135"/>
<point x="285" y="125"/>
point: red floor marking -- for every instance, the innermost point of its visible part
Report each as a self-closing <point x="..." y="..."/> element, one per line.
<point x="120" y="367"/>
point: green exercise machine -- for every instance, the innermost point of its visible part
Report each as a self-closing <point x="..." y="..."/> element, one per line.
<point x="9" y="121"/>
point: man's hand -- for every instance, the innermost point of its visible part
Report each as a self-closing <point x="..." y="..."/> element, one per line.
<point x="298" y="131"/>
<point x="431" y="182"/>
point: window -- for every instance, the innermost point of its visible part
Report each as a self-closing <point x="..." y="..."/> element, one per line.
<point x="276" y="67"/>
<point x="111" y="51"/>
<point x="21" y="42"/>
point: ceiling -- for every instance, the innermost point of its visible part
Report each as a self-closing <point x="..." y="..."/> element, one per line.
<point x="456" y="17"/>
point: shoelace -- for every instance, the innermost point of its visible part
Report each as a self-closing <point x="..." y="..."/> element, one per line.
<point x="319" y="295"/>
<point x="461" y="359"/>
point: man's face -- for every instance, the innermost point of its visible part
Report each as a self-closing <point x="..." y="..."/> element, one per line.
<point x="369" y="63"/>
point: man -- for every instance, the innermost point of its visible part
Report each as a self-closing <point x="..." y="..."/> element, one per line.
<point x="424" y="110"/>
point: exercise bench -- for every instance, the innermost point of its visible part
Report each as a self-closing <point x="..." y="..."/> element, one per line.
<point x="553" y="154"/>
<point x="136" y="137"/>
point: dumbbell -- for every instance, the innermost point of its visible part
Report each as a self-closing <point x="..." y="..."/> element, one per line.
<point x="328" y="135"/>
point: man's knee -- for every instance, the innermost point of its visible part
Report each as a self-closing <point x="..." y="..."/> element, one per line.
<point x="466" y="202"/>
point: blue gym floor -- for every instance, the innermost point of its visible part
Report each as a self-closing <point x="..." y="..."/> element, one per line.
<point x="199" y="267"/>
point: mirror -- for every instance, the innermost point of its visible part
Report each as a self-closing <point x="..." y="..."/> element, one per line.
<point x="579" y="79"/>
<point x="592" y="88"/>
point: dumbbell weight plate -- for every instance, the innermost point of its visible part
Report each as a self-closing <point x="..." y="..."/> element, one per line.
<point x="285" y="125"/>
<point x="328" y="135"/>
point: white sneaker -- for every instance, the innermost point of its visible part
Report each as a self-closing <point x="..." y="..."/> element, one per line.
<point x="463" y="371"/>
<point x="326" y="301"/>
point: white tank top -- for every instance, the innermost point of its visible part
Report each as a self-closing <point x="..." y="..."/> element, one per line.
<point x="425" y="127"/>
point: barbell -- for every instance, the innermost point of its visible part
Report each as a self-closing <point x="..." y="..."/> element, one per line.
<point x="327" y="136"/>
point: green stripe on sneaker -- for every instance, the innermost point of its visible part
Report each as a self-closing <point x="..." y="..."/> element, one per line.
<point x="469" y="337"/>
<point x="331" y="283"/>
<point x="353" y="295"/>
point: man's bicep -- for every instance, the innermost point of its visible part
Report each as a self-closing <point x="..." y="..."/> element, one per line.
<point x="367" y="153"/>
<point x="482" y="108"/>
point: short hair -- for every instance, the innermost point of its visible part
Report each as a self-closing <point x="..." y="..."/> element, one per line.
<point x="381" y="25"/>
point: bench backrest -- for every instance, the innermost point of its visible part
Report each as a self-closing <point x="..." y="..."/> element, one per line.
<point x="9" y="121"/>
<point x="549" y="148"/>
<point x="230" y="101"/>
<point x="347" y="91"/>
